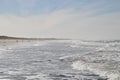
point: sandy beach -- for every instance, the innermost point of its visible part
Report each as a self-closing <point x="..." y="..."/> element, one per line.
<point x="11" y="42"/>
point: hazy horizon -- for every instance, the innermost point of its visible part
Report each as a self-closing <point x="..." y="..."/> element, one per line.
<point x="74" y="19"/>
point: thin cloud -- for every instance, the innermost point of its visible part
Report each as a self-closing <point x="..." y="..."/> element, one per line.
<point x="63" y="23"/>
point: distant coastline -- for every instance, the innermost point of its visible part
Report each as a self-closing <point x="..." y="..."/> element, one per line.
<point x="8" y="40"/>
<point x="21" y="38"/>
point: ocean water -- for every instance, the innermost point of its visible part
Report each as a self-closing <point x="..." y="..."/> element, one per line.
<point x="61" y="60"/>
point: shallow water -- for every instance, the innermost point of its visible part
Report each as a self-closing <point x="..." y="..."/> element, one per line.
<point x="52" y="60"/>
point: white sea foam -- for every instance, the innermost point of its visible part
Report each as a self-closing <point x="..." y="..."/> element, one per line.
<point x="102" y="59"/>
<point x="40" y="43"/>
<point x="39" y="76"/>
<point x="1" y="51"/>
<point x="96" y="68"/>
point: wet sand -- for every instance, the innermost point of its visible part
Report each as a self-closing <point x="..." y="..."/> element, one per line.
<point x="11" y="42"/>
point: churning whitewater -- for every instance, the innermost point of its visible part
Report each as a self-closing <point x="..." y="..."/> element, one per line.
<point x="61" y="60"/>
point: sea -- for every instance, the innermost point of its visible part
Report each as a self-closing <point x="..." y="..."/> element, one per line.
<point x="61" y="60"/>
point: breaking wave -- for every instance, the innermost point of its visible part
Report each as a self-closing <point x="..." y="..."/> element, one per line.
<point x="103" y="59"/>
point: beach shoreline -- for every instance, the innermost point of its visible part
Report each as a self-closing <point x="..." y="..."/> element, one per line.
<point x="12" y="42"/>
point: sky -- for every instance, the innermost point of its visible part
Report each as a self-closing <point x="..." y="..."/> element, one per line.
<point x="75" y="19"/>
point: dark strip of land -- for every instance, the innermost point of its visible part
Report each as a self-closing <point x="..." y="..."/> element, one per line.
<point x="7" y="37"/>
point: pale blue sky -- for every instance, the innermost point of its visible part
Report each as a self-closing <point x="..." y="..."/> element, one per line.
<point x="34" y="7"/>
<point x="80" y="19"/>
